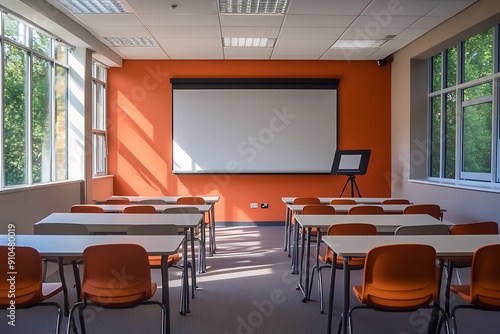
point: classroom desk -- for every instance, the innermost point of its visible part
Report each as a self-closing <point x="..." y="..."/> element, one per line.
<point x="384" y="223"/>
<point x="446" y="246"/>
<point x="210" y="200"/>
<point x="118" y="208"/>
<point x="105" y="223"/>
<point x="324" y="200"/>
<point x="74" y="245"/>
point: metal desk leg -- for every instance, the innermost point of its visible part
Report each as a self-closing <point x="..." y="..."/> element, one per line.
<point x="286" y="241"/>
<point x="331" y="294"/>
<point x="165" y="293"/>
<point x="295" y="253"/>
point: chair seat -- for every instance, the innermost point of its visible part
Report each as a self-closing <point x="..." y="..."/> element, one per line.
<point x="392" y="302"/>
<point x="354" y="263"/>
<point x="155" y="260"/>
<point x="118" y="299"/>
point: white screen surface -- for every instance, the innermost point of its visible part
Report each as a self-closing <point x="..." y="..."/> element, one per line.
<point x="350" y="161"/>
<point x="254" y="130"/>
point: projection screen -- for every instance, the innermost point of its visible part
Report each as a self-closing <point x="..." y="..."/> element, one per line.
<point x="254" y="125"/>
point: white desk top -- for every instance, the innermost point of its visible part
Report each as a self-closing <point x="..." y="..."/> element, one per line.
<point x="384" y="223"/>
<point x="74" y="245"/>
<point x="118" y="222"/>
<point x="110" y="208"/>
<point x="343" y="208"/>
<point x="167" y="199"/>
<point x="326" y="200"/>
<point x="445" y="245"/>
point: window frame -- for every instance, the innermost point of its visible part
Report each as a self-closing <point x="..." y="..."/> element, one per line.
<point x="442" y="92"/>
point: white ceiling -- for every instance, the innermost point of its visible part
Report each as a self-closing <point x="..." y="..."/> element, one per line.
<point x="194" y="29"/>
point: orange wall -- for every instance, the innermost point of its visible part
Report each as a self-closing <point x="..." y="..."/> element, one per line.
<point x="140" y="133"/>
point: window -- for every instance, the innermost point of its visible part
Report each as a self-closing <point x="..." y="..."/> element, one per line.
<point x="34" y="97"/>
<point x="99" y="139"/>
<point x="463" y="81"/>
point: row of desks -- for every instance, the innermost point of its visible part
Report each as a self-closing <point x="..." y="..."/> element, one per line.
<point x="74" y="245"/>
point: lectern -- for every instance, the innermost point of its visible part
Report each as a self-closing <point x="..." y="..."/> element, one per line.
<point x="350" y="163"/>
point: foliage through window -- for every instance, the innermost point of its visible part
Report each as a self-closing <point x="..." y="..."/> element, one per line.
<point x="463" y="110"/>
<point x="34" y="99"/>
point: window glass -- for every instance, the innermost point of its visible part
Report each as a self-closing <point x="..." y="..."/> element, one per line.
<point x="61" y="125"/>
<point x="478" y="56"/>
<point x="435" y="136"/>
<point x="451" y="135"/>
<point x="14" y="115"/>
<point x="40" y="121"/>
<point x="15" y="30"/>
<point x="436" y="73"/>
<point x="477" y="138"/>
<point x="41" y="43"/>
<point x="451" y="66"/>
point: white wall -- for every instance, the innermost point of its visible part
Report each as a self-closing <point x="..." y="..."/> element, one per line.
<point x="409" y="119"/>
<point x="25" y="206"/>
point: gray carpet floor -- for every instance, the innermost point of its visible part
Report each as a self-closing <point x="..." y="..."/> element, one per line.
<point x="248" y="289"/>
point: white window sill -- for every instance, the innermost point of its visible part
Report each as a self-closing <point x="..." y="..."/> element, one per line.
<point x="469" y="185"/>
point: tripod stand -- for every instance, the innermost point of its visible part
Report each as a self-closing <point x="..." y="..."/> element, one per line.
<point x="352" y="180"/>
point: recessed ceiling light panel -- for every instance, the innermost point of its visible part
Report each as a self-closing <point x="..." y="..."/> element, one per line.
<point x="94" y="6"/>
<point x="358" y="43"/>
<point x="252" y="6"/>
<point x="249" y="42"/>
<point x="132" y="42"/>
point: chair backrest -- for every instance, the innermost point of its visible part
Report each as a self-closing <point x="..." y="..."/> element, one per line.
<point x="352" y="229"/>
<point x="487" y="227"/>
<point x="349" y="229"/>
<point x="139" y="209"/>
<point x="123" y="200"/>
<point x="152" y="201"/>
<point x="395" y="201"/>
<point x="149" y="229"/>
<point x="484" y="279"/>
<point x="61" y="229"/>
<point x="401" y="277"/>
<point x="342" y="201"/>
<point x="318" y="210"/>
<point x="431" y="209"/>
<point x="182" y="209"/>
<point x="434" y="229"/>
<point x="86" y="209"/>
<point x="306" y="200"/>
<point x="100" y="283"/>
<point x="28" y="278"/>
<point x="366" y="210"/>
<point x="191" y="200"/>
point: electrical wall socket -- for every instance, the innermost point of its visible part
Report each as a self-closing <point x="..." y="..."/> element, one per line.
<point x="254" y="205"/>
<point x="264" y="205"/>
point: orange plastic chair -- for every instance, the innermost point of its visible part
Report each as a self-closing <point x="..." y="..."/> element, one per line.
<point x="396" y="201"/>
<point x="487" y="227"/>
<point x="343" y="201"/>
<point x="102" y="263"/>
<point x="86" y="209"/>
<point x="483" y="290"/>
<point x="154" y="260"/>
<point x="402" y="277"/>
<point x="366" y="210"/>
<point x="431" y="209"/>
<point x="30" y="290"/>
<point x="317" y="210"/>
<point x="139" y="209"/>
<point x="354" y="263"/>
<point x="208" y="221"/>
<point x="123" y="200"/>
